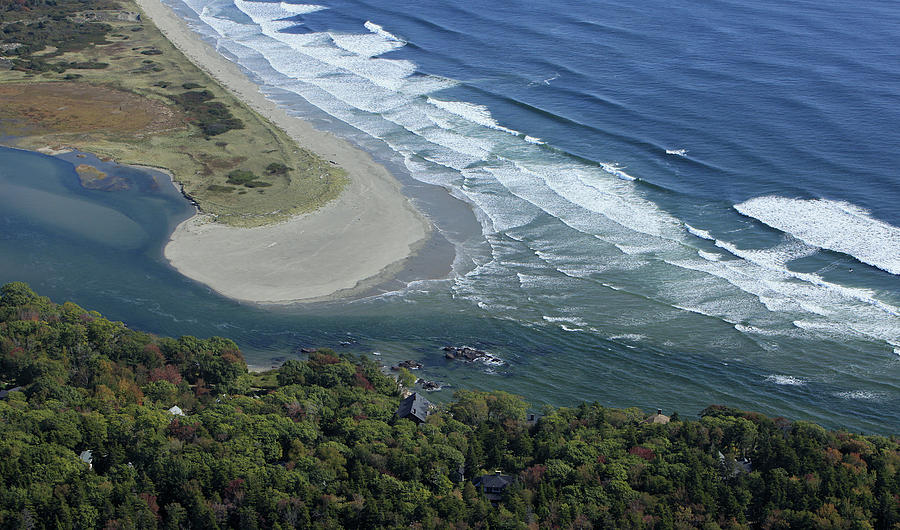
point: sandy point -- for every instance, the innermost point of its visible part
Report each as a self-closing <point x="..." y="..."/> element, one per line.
<point x="352" y="243"/>
<point x="348" y="245"/>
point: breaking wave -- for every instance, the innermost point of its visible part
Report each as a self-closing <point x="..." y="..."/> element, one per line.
<point x="788" y="380"/>
<point x="554" y="225"/>
<point x="833" y="225"/>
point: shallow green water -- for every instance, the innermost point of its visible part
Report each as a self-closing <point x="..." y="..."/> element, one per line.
<point x="102" y="250"/>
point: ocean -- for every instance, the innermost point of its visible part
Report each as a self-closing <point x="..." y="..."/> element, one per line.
<point x="671" y="205"/>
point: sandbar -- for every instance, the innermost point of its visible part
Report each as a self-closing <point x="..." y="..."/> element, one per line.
<point x="350" y="244"/>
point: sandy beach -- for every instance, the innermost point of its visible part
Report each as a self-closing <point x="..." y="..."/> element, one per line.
<point x="349" y="245"/>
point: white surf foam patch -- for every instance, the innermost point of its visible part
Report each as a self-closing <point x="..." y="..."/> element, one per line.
<point x="386" y="73"/>
<point x="225" y="27"/>
<point x="365" y="45"/>
<point x="760" y="331"/>
<point x="709" y="256"/>
<point x="702" y="234"/>
<point x="381" y="32"/>
<point x="475" y="113"/>
<point x="269" y="11"/>
<point x="301" y="9"/>
<point x="787" y="380"/>
<point x="567" y="320"/>
<point x="833" y="225"/>
<point x="634" y="337"/>
<point x="774" y="259"/>
<point x="617" y="170"/>
<point x="861" y="395"/>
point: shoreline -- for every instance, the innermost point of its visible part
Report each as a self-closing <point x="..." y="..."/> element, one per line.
<point x="346" y="247"/>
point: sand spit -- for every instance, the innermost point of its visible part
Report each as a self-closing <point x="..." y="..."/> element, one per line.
<point x="348" y="245"/>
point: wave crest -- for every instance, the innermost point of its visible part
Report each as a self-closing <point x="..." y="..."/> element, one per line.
<point x="833" y="225"/>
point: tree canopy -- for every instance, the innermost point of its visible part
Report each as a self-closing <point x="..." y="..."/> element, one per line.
<point x="317" y="444"/>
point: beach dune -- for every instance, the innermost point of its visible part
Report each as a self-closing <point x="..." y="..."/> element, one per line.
<point x="349" y="245"/>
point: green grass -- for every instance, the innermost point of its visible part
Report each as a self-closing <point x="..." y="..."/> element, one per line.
<point x="264" y="380"/>
<point x="220" y="133"/>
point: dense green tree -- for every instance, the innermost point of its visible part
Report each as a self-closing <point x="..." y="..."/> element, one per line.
<point x="322" y="448"/>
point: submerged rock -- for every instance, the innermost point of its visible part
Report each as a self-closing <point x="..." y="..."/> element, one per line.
<point x="468" y="354"/>
<point x="429" y="386"/>
<point x="410" y="365"/>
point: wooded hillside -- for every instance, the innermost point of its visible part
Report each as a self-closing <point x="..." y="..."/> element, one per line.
<point x="317" y="444"/>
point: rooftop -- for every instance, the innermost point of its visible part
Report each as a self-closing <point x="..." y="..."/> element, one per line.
<point x="415" y="406"/>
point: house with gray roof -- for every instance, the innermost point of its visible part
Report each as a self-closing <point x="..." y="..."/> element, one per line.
<point x="493" y="485"/>
<point x="415" y="407"/>
<point x="5" y="393"/>
<point x="87" y="457"/>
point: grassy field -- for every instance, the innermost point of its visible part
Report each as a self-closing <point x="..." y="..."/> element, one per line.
<point x="149" y="105"/>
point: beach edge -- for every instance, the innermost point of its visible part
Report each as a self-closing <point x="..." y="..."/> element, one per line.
<point x="351" y="244"/>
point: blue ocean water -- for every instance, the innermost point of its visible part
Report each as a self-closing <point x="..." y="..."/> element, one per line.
<point x="676" y="205"/>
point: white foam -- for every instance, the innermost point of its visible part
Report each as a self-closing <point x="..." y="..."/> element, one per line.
<point x="632" y="250"/>
<point x="702" y="234"/>
<point x="475" y="113"/>
<point x="301" y="9"/>
<point x="861" y="395"/>
<point x="569" y="319"/>
<point x="617" y="170"/>
<point x="381" y="32"/>
<point x="707" y="312"/>
<point x="575" y="194"/>
<point x="534" y="140"/>
<point x="635" y="337"/>
<point x="833" y="225"/>
<point x="824" y="308"/>
<point x="709" y="256"/>
<point x="270" y="17"/>
<point x="677" y="152"/>
<point x="225" y="27"/>
<point x="775" y="259"/>
<point x="365" y="45"/>
<point x="759" y="331"/>
<point x="270" y="11"/>
<point x="788" y="380"/>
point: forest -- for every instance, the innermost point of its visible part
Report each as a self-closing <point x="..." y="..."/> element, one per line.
<point x="90" y="438"/>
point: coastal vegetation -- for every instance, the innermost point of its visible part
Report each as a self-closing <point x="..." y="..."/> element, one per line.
<point x="94" y="75"/>
<point x="106" y="427"/>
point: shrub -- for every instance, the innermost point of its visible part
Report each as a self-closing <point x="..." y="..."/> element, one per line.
<point x="241" y="176"/>
<point x="276" y="168"/>
<point x="257" y="184"/>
